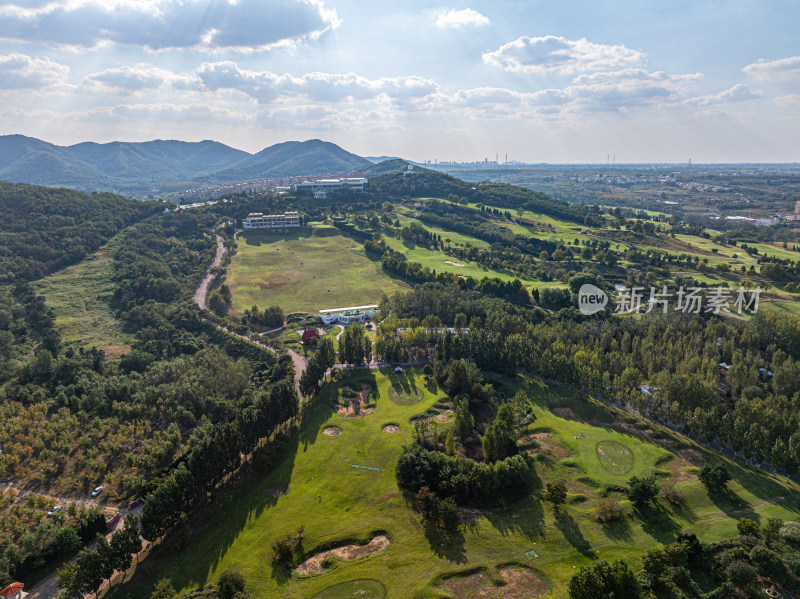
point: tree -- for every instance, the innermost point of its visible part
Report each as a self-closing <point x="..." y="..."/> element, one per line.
<point x="229" y="584"/>
<point x="641" y="491"/>
<point x="106" y="554"/>
<point x="90" y="572"/>
<point x="556" y="494"/>
<point x="604" y="580"/>
<point x="464" y="421"/>
<point x="163" y="590"/>
<point x="460" y="322"/>
<point x="125" y="543"/>
<point x="449" y="444"/>
<point x="498" y="440"/>
<point x="217" y="305"/>
<point x="771" y="530"/>
<point x="714" y="477"/>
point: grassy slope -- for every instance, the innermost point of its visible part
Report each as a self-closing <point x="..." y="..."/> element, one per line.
<point x="79" y="296"/>
<point x="356" y="503"/>
<point x="265" y="272"/>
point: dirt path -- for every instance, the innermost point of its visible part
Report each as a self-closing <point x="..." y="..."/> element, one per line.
<point x="63" y="500"/>
<point x="201" y="294"/>
<point x="299" y="366"/>
<point x="48" y="586"/>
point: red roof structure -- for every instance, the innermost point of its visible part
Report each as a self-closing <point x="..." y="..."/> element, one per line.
<point x="13" y="589"/>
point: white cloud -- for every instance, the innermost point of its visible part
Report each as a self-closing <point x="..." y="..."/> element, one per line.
<point x="457" y="19"/>
<point x="265" y="86"/>
<point x="618" y="91"/>
<point x="555" y="54"/>
<point x="737" y="93"/>
<point x="161" y="24"/>
<point x="782" y="69"/>
<point x="127" y="79"/>
<point x="788" y="100"/>
<point x="18" y="71"/>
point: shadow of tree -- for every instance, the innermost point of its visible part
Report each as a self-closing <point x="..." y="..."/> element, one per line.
<point x="658" y="523"/>
<point x="447" y="544"/>
<point x="528" y="524"/>
<point x="281" y="572"/>
<point x="572" y="533"/>
<point x="618" y="531"/>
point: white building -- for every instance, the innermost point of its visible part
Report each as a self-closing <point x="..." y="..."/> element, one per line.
<point x="322" y="187"/>
<point x="348" y="315"/>
<point x="258" y="220"/>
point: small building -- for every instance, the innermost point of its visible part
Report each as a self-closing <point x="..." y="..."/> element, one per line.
<point x="258" y="220"/>
<point x="348" y="315"/>
<point x="13" y="591"/>
<point x="308" y="335"/>
<point x="320" y="188"/>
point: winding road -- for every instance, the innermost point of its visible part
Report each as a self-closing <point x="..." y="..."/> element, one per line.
<point x="201" y="295"/>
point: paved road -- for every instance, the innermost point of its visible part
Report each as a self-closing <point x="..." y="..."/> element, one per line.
<point x="201" y="294"/>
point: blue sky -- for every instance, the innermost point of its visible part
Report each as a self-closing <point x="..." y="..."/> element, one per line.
<point x="570" y="81"/>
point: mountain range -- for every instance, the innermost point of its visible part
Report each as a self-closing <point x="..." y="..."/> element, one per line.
<point x="152" y="167"/>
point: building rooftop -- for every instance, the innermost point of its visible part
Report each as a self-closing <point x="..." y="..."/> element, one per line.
<point x="327" y="311"/>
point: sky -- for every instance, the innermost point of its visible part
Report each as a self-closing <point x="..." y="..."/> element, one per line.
<point x="566" y="81"/>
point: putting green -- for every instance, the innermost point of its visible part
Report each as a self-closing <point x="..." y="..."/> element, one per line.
<point x="615" y="457"/>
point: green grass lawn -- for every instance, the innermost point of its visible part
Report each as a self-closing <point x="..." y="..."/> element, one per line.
<point x="438" y="260"/>
<point x="339" y="504"/>
<point x="265" y="272"/>
<point x="79" y="295"/>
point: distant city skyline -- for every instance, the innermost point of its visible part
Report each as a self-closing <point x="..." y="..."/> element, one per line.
<point x="559" y="83"/>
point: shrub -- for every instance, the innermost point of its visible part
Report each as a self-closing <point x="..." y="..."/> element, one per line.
<point x="604" y="579"/>
<point x="230" y="583"/>
<point x="608" y="510"/>
<point x="748" y="528"/>
<point x="741" y="573"/>
<point x="790" y="532"/>
<point x="288" y="547"/>
<point x="673" y="495"/>
<point x="767" y="561"/>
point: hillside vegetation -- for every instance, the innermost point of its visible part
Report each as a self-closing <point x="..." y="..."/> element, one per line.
<point x="43" y="229"/>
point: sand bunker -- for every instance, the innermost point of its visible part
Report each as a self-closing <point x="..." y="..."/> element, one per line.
<point x="546" y="444"/>
<point x="314" y="564"/>
<point x="443" y="416"/>
<point x="332" y="431"/>
<point x="451" y="263"/>
<point x="391" y="428"/>
<point x="355" y="405"/>
<point x="520" y="584"/>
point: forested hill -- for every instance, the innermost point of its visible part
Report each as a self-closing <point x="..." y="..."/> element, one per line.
<point x="147" y="167"/>
<point x="292" y="158"/>
<point x="422" y="182"/>
<point x="43" y="229"/>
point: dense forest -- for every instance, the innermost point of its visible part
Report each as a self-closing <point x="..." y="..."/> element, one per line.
<point x="44" y="229"/>
<point x="185" y="402"/>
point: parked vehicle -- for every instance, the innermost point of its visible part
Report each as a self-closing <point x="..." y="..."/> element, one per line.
<point x="97" y="491"/>
<point x="54" y="511"/>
